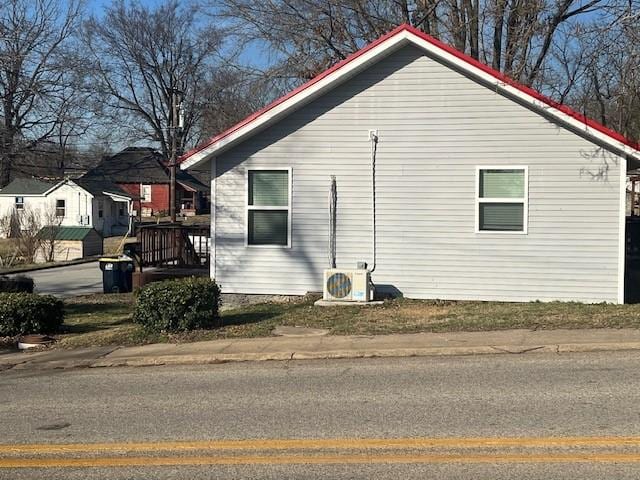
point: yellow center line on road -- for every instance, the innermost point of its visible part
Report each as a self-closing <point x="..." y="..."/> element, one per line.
<point x="316" y="460"/>
<point x="319" y="444"/>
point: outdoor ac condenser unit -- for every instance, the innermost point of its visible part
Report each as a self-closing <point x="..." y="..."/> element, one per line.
<point x="346" y="285"/>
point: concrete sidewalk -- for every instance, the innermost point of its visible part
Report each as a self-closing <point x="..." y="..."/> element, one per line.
<point x="322" y="347"/>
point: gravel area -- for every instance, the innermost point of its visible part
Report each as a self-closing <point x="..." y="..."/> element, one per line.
<point x="232" y="301"/>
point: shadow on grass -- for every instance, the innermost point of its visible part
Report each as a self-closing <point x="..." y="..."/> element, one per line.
<point x="115" y="308"/>
<point x="87" y="327"/>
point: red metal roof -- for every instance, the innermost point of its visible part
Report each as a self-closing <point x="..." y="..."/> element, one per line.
<point x="466" y="58"/>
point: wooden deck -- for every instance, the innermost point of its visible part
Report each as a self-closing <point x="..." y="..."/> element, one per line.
<point x="171" y="245"/>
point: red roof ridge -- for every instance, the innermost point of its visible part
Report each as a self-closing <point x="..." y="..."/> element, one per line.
<point x="447" y="48"/>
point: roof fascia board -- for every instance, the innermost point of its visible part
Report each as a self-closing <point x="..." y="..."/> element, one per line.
<point x="301" y="96"/>
<point x="71" y="182"/>
<point x="186" y="187"/>
<point x="117" y="196"/>
<point x="56" y="186"/>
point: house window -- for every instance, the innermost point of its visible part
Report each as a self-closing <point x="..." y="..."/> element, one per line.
<point x="120" y="209"/>
<point x="100" y="208"/>
<point x="19" y="203"/>
<point x="145" y="193"/>
<point x="60" y="208"/>
<point x="269" y="207"/>
<point x="502" y="199"/>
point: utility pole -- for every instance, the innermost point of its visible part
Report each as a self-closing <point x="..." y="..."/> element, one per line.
<point x="174" y="155"/>
<point x="176" y="125"/>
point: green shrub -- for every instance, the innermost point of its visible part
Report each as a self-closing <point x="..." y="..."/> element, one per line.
<point x="29" y="313"/>
<point x="178" y="305"/>
<point x="19" y="283"/>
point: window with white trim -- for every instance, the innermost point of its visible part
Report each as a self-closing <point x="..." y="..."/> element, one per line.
<point x="269" y="207"/>
<point x="19" y="203"/>
<point x="502" y="199"/>
<point x="145" y="193"/>
<point x="61" y="208"/>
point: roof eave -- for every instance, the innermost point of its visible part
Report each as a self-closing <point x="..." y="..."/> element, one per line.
<point x="118" y="196"/>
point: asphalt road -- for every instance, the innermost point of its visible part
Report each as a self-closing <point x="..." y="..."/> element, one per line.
<point x="521" y="416"/>
<point x="72" y="280"/>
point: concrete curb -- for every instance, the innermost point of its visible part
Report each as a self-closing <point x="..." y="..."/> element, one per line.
<point x="104" y="357"/>
<point x="143" y="361"/>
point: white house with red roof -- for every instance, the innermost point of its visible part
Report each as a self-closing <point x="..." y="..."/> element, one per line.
<point x="451" y="182"/>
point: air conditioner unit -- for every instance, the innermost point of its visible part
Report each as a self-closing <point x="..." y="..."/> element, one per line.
<point x="346" y="285"/>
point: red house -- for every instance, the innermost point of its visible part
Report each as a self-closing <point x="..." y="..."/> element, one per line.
<point x="143" y="172"/>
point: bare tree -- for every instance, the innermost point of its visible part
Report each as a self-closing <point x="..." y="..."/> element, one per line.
<point x="141" y="56"/>
<point x="232" y="94"/>
<point x="32" y="231"/>
<point x="48" y="233"/>
<point x="515" y="36"/>
<point x="28" y="223"/>
<point x="35" y="81"/>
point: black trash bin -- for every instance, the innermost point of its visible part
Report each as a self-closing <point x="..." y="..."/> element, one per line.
<point x="117" y="273"/>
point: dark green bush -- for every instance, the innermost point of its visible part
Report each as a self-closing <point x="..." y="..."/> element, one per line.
<point x="19" y="283"/>
<point x="178" y="305"/>
<point x="29" y="313"/>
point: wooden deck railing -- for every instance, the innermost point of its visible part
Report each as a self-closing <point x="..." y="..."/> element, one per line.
<point x="164" y="245"/>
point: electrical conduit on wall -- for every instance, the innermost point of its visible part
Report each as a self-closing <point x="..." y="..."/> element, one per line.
<point x="373" y="137"/>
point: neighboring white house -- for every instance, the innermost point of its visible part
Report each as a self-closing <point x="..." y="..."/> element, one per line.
<point x="77" y="203"/>
<point x="482" y="189"/>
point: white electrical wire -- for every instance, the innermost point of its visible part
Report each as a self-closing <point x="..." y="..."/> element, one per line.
<point x="374" y="148"/>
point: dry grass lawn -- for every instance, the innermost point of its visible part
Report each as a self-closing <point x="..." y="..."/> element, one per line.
<point x="106" y="319"/>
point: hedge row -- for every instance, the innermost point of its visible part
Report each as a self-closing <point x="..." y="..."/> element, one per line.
<point x="22" y="313"/>
<point x="178" y="305"/>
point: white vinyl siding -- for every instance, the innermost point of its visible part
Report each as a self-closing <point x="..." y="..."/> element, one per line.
<point x="501" y="201"/>
<point x="435" y="127"/>
<point x="78" y="209"/>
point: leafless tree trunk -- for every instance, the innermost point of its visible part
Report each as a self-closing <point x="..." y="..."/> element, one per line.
<point x="48" y="233"/>
<point x="28" y="223"/>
